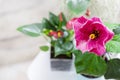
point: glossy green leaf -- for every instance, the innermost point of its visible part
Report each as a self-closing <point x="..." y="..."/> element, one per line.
<point x="77" y="6"/>
<point x="64" y="22"/>
<point x="70" y="34"/>
<point x="117" y="30"/>
<point x="46" y="31"/>
<point x="63" y="48"/>
<point x="67" y="46"/>
<point x="116" y="38"/>
<point x="60" y="41"/>
<point x="33" y="30"/>
<point x="53" y="19"/>
<point x="77" y="54"/>
<point x="58" y="49"/>
<point x="113" y="46"/>
<point x="90" y="64"/>
<point x="113" y="70"/>
<point x="46" y="24"/>
<point x="44" y="48"/>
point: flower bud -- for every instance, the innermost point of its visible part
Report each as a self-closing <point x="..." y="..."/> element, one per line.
<point x="88" y="12"/>
<point x="60" y="17"/>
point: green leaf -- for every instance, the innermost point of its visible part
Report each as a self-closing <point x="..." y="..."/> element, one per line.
<point x="117" y="30"/>
<point x="53" y="19"/>
<point x="113" y="46"/>
<point x="116" y="38"/>
<point x="69" y="35"/>
<point x="33" y="30"/>
<point x="64" y="22"/>
<point x="46" y="31"/>
<point x="90" y="64"/>
<point x="58" y="49"/>
<point x="44" y="48"/>
<point x="77" y="54"/>
<point x="113" y="70"/>
<point x="67" y="46"/>
<point x="63" y="48"/>
<point x="77" y="6"/>
<point x="60" y="41"/>
<point x="46" y="24"/>
<point x="111" y="26"/>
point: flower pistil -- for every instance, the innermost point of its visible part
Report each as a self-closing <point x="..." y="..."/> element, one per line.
<point x="94" y="35"/>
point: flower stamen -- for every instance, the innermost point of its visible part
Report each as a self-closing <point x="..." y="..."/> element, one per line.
<point x="92" y="36"/>
<point x="59" y="34"/>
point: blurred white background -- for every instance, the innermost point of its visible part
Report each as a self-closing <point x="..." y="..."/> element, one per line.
<point x="17" y="50"/>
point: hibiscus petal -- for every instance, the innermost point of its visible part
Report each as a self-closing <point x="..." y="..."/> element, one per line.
<point x="105" y="33"/>
<point x="96" y="47"/>
<point x="70" y="23"/>
<point x="81" y="45"/>
<point x="99" y="50"/>
<point x="80" y="36"/>
<point x="82" y="20"/>
<point x="79" y="22"/>
<point x="76" y="26"/>
<point x="110" y="36"/>
<point x="96" y="19"/>
<point x="87" y="28"/>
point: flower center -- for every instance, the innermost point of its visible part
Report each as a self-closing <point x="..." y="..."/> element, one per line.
<point x="94" y="35"/>
<point x="59" y="34"/>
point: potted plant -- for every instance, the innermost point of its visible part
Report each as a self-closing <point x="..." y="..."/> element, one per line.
<point x="60" y="38"/>
<point x="94" y="42"/>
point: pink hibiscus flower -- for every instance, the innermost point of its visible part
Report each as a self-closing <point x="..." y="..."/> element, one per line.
<point x="91" y="35"/>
